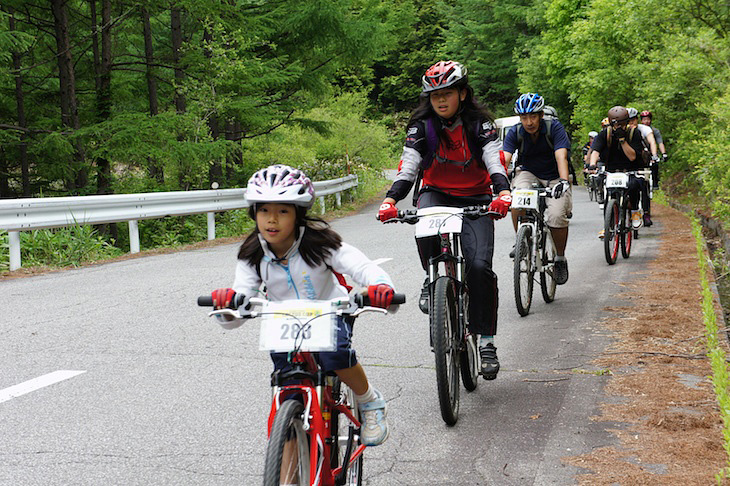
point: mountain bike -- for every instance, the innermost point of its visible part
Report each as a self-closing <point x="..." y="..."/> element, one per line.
<point x="593" y="183"/>
<point x="618" y="231"/>
<point x="534" y="248"/>
<point x="314" y="421"/>
<point x="455" y="349"/>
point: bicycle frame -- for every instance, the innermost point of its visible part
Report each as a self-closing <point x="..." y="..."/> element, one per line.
<point x="454" y="263"/>
<point x="536" y="220"/>
<point x="315" y="391"/>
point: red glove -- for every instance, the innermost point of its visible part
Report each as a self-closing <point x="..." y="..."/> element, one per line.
<point x="500" y="205"/>
<point x="380" y="295"/>
<point x="222" y="298"/>
<point x="387" y="211"/>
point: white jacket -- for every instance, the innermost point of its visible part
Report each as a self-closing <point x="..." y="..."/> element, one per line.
<point x="297" y="280"/>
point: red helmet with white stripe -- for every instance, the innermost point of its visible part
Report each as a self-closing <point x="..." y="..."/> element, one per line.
<point x="444" y="74"/>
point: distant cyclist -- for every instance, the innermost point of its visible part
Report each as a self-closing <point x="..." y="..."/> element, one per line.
<point x="651" y="158"/>
<point x="587" y="148"/>
<point x="453" y="147"/>
<point x="543" y="146"/>
<point x="619" y="147"/>
<point x="646" y="119"/>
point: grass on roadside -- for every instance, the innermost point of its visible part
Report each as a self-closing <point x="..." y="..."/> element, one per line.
<point x="720" y="376"/>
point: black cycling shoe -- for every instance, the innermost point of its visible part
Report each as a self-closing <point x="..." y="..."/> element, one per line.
<point x="561" y="271"/>
<point x="490" y="363"/>
<point x="512" y="252"/>
<point x="647" y="220"/>
<point x="423" y="298"/>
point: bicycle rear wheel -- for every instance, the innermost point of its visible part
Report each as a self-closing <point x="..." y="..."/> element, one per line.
<point x="627" y="230"/>
<point x="445" y="336"/>
<point x="547" y="274"/>
<point x="287" y="454"/>
<point x="346" y="437"/>
<point x="610" y="232"/>
<point x="523" y="270"/>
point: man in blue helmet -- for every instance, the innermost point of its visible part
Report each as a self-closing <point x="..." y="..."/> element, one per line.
<point x="543" y="158"/>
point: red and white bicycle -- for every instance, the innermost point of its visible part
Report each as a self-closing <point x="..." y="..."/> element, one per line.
<point x="314" y="422"/>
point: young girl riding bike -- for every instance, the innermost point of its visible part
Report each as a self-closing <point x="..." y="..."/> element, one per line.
<point x="452" y="146"/>
<point x="295" y="256"/>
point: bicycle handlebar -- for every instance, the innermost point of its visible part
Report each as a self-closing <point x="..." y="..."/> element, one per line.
<point x="360" y="300"/>
<point x="411" y="216"/>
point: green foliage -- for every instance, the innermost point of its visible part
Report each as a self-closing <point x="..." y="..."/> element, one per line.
<point x="351" y="144"/>
<point x="4" y="252"/>
<point x="487" y="37"/>
<point x="720" y="374"/>
<point x="64" y="246"/>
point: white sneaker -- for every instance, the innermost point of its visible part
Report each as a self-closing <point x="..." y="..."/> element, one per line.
<point x="636" y="219"/>
<point x="374" y="428"/>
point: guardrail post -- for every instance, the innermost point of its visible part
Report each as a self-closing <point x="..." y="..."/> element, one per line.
<point x="321" y="203"/>
<point x="14" y="239"/>
<point x="338" y="199"/>
<point x="211" y="226"/>
<point x="133" y="236"/>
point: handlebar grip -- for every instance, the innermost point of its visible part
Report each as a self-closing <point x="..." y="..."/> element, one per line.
<point x="205" y="301"/>
<point x="362" y="299"/>
<point x="236" y="301"/>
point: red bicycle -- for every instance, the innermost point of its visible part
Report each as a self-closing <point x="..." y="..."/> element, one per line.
<point x="314" y="421"/>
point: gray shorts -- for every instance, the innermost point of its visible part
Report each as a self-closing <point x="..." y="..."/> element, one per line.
<point x="558" y="210"/>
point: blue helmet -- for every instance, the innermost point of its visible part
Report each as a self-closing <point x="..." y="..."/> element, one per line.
<point x="529" y="103"/>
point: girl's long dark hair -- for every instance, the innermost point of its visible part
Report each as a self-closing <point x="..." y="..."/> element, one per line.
<point x="319" y="240"/>
<point x="472" y="111"/>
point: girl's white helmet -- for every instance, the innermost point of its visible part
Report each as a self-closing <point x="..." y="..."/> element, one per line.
<point x="280" y="184"/>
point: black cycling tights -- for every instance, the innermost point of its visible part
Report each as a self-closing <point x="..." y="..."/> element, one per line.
<point x="477" y="246"/>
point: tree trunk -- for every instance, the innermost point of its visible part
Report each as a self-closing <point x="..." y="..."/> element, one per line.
<point x="176" y="29"/>
<point x="104" y="95"/>
<point x="95" y="46"/>
<point x="67" y="85"/>
<point x="22" y="122"/>
<point x="155" y="171"/>
<point x="149" y="60"/>
<point x="215" y="173"/>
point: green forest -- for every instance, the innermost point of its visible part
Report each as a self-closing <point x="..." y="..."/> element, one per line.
<point x="101" y="96"/>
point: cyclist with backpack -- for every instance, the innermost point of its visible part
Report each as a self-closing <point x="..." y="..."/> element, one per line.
<point x="619" y="148"/>
<point x="646" y="118"/>
<point x="649" y="157"/>
<point x="296" y="256"/>
<point x="452" y="154"/>
<point x="543" y="157"/>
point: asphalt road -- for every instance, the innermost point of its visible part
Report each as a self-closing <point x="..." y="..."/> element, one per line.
<point x="160" y="395"/>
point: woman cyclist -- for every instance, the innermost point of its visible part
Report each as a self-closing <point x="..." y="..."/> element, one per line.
<point x="453" y="148"/>
<point x="296" y="256"/>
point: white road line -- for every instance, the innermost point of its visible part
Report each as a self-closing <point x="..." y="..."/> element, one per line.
<point x="36" y="384"/>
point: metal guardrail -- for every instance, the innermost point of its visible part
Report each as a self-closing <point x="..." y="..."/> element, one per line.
<point x="54" y="212"/>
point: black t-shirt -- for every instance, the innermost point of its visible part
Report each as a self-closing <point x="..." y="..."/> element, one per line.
<point x="613" y="155"/>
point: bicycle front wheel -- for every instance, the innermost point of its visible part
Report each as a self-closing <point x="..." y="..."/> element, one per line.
<point x="445" y="336"/>
<point x="287" y="454"/>
<point x="611" y="232"/>
<point x="547" y="274"/>
<point x="524" y="271"/>
<point x="346" y="437"/>
<point x="627" y="230"/>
